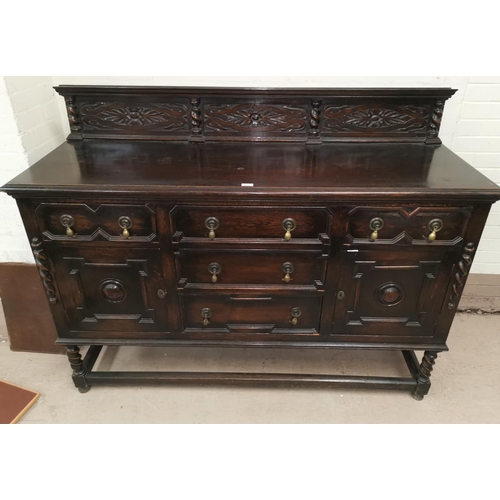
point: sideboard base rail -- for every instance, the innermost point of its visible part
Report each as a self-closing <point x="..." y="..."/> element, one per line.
<point x="418" y="382"/>
<point x="265" y="344"/>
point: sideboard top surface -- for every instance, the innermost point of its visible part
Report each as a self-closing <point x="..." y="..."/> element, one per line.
<point x="203" y="143"/>
<point x="239" y="170"/>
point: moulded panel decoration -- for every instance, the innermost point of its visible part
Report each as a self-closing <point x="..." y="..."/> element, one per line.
<point x="165" y="117"/>
<point x="362" y="118"/>
<point x="254" y="117"/>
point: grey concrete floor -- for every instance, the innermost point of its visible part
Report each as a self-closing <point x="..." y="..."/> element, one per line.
<point x="465" y="385"/>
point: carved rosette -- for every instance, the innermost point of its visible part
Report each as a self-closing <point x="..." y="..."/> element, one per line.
<point x="196" y="123"/>
<point x="73" y="115"/>
<point x="43" y="269"/>
<point x="314" y="121"/>
<point x="116" y="116"/>
<point x="461" y="275"/>
<point x="426" y="367"/>
<point x="364" y="119"/>
<point x="255" y="117"/>
<point x="435" y="123"/>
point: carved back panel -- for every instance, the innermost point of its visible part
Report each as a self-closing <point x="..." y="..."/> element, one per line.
<point x="396" y="119"/>
<point x="131" y="117"/>
<point x="202" y="114"/>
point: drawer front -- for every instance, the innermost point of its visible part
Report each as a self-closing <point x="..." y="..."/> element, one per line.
<point x="252" y="313"/>
<point x="409" y="225"/>
<point x="257" y="267"/>
<point x="249" y="222"/>
<point x="78" y="221"/>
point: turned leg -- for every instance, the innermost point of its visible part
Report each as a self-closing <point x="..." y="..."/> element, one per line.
<point x="424" y="375"/>
<point x="76" y="362"/>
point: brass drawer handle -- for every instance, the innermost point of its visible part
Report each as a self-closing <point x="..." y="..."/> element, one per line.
<point x="67" y="221"/>
<point x="295" y="312"/>
<point x="212" y="223"/>
<point x="288" y="269"/>
<point x="125" y="223"/>
<point x="434" y="226"/>
<point x="376" y="225"/>
<point x="214" y="269"/>
<point x="161" y="293"/>
<point x="288" y="225"/>
<point x="206" y="313"/>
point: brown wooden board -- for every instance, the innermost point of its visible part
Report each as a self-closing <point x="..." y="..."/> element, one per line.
<point x="27" y="313"/>
<point x="15" y="401"/>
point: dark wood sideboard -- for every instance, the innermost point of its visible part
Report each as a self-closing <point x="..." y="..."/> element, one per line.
<point x="297" y="218"/>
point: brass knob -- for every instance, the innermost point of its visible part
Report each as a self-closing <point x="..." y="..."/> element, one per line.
<point x="288" y="269"/>
<point x="212" y="223"/>
<point x="214" y="269"/>
<point x="376" y="225"/>
<point x="295" y="312"/>
<point x="161" y="293"/>
<point x="434" y="226"/>
<point x="125" y="223"/>
<point x="288" y="225"/>
<point x="67" y="221"/>
<point x="206" y="313"/>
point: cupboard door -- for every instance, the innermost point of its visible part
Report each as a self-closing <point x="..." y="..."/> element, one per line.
<point x="384" y="295"/>
<point x="110" y="290"/>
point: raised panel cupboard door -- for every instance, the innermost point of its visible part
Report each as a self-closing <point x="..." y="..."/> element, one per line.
<point x="111" y="290"/>
<point x="384" y="295"/>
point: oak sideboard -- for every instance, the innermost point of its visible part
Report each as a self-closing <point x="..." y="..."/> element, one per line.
<point x="283" y="218"/>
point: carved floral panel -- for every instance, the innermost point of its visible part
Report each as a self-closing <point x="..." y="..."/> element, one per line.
<point x="251" y="117"/>
<point x="164" y="117"/>
<point x="376" y="119"/>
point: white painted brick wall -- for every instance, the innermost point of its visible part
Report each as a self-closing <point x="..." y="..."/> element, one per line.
<point x="30" y="127"/>
<point x="477" y="140"/>
<point x="471" y="128"/>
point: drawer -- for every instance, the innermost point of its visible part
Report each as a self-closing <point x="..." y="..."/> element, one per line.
<point x="222" y="222"/>
<point x="412" y="225"/>
<point x="257" y="267"/>
<point x="252" y="313"/>
<point x="79" y="221"/>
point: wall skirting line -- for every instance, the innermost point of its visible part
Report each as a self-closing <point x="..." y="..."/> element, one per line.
<point x="482" y="291"/>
